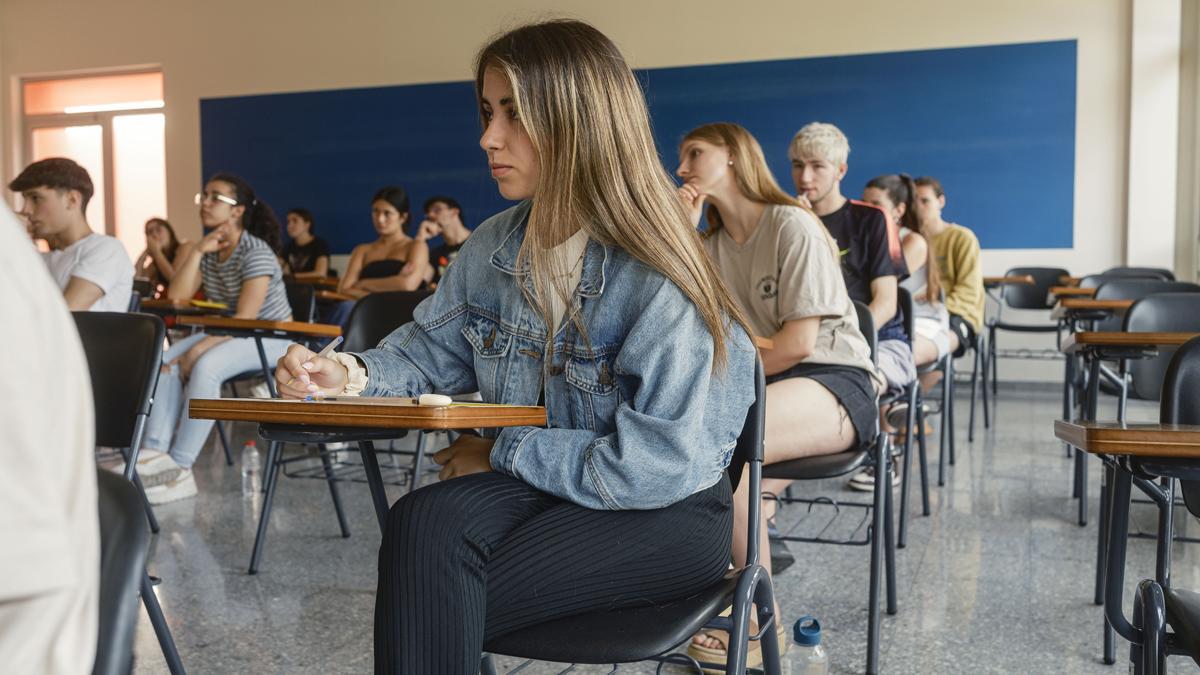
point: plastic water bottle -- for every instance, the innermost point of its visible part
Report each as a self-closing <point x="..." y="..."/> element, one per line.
<point x="810" y="657"/>
<point x="251" y="468"/>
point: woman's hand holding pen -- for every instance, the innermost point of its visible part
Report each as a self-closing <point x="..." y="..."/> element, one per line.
<point x="468" y="455"/>
<point x="302" y="373"/>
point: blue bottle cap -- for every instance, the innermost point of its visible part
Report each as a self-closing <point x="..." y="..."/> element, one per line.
<point x="807" y="632"/>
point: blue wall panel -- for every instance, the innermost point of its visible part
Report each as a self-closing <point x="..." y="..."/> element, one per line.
<point x="996" y="124"/>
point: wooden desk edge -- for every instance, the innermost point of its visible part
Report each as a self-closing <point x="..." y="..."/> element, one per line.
<point x="1025" y="279"/>
<point x="365" y="416"/>
<point x="1143" y="441"/>
<point x="293" y="327"/>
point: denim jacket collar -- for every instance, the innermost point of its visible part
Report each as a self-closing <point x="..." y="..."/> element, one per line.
<point x="595" y="258"/>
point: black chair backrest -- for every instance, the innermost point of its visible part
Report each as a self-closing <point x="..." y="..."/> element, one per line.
<point x="1180" y="394"/>
<point x="143" y="287"/>
<point x="1135" y="289"/>
<point x="124" y="352"/>
<point x="904" y="301"/>
<point x="1159" y="313"/>
<point x="124" y="540"/>
<point x="866" y="326"/>
<point x="377" y="315"/>
<point x="303" y="300"/>
<point x="750" y="441"/>
<point x="1141" y="273"/>
<point x="1036" y="295"/>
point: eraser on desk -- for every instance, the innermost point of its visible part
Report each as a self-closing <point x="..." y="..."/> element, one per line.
<point x="434" y="400"/>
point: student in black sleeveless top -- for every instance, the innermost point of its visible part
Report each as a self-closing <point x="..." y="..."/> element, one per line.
<point x="394" y="261"/>
<point x="306" y="256"/>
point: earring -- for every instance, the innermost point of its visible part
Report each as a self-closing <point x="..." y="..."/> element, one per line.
<point x="731" y="162"/>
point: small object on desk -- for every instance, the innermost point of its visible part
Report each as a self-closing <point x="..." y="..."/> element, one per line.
<point x="433" y="399"/>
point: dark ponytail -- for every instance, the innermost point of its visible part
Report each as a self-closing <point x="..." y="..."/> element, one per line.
<point x="902" y="189"/>
<point x="258" y="218"/>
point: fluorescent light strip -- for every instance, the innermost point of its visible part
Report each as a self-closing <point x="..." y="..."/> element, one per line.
<point x="110" y="107"/>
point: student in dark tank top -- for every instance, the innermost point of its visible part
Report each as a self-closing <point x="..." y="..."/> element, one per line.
<point x="394" y="261"/>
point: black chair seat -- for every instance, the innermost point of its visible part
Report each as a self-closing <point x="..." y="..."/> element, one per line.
<point x="1183" y="615"/>
<point x="1025" y="327"/>
<point x="816" y="468"/>
<point x="619" y="636"/>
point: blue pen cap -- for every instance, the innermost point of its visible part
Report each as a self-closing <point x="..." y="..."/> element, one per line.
<point x="807" y="632"/>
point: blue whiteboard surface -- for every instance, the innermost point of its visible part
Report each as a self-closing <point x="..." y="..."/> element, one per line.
<point x="996" y="124"/>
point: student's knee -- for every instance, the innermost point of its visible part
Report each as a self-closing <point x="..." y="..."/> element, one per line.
<point x="435" y="514"/>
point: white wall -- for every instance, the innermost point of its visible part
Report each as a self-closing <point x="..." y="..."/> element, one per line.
<point x="227" y="47"/>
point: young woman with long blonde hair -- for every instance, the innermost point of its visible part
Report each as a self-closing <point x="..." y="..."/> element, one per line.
<point x="781" y="265"/>
<point x="593" y="296"/>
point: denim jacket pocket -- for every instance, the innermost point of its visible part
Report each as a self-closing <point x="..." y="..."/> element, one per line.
<point x="491" y="344"/>
<point x="594" y="396"/>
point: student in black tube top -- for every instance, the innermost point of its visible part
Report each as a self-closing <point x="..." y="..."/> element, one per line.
<point x="394" y="261"/>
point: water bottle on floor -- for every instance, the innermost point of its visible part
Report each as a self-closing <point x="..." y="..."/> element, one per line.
<point x="810" y="657"/>
<point x="251" y="476"/>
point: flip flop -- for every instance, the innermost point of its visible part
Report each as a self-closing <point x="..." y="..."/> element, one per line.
<point x="719" y="657"/>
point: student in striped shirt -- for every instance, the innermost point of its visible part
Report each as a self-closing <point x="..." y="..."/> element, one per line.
<point x="236" y="264"/>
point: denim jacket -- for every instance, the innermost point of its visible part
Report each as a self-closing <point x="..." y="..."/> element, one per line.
<point x="637" y="418"/>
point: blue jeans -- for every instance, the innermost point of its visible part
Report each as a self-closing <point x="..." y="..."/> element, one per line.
<point x="169" y="429"/>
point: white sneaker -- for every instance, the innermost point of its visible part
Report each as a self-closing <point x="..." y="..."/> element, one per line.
<point x="183" y="486"/>
<point x="149" y="463"/>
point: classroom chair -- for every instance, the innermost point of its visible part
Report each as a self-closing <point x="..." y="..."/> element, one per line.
<point x="1141" y="272"/>
<point x="1035" y="296"/>
<point x="642" y="633"/>
<point x="124" y="353"/>
<point x="1165" y="619"/>
<point x="124" y="539"/>
<point x="880" y="534"/>
<point x="915" y="420"/>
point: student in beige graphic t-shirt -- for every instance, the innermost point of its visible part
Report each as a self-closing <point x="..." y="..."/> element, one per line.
<point x="779" y="263"/>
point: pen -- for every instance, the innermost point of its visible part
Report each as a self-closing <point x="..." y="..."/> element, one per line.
<point x="321" y="354"/>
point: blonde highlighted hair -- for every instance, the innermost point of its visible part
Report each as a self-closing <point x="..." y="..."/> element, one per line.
<point x="820" y="139"/>
<point x="599" y="169"/>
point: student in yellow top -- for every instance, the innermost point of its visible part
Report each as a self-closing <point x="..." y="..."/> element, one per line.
<point x="956" y="250"/>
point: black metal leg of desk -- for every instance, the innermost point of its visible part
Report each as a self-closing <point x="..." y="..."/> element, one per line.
<point x="1093" y="400"/>
<point x="271" y="479"/>
<point x="333" y="491"/>
<point x="1069" y="399"/>
<point x="1102" y="535"/>
<point x="920" y="431"/>
<point x="266" y="367"/>
<point x="374" y="481"/>
<point x="161" y="630"/>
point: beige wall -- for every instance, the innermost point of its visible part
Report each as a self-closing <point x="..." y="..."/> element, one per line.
<point x="225" y="47"/>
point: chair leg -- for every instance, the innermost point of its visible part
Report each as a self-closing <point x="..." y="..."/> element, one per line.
<point x="764" y="599"/>
<point x="1069" y="396"/>
<point x="950" y="400"/>
<point x="487" y="666"/>
<point x="1101" y="540"/>
<point x="137" y="481"/>
<point x="923" y="458"/>
<point x="877" y="553"/>
<point x="159" y="622"/>
<point x="1149" y="614"/>
<point x="224" y="443"/>
<point x="974" y="386"/>
<point x="944" y="424"/>
<point x="272" y="479"/>
<point x="418" y="460"/>
<point x="906" y="470"/>
<point x="333" y="492"/>
<point x="991" y="361"/>
<point x="889" y="526"/>
<point x="989" y="397"/>
<point x="1081" y="469"/>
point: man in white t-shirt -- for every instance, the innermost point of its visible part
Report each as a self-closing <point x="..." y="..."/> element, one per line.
<point x="93" y="270"/>
<point x="50" y="529"/>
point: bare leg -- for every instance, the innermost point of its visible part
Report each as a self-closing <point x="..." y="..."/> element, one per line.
<point x="804" y="419"/>
<point x="924" y="352"/>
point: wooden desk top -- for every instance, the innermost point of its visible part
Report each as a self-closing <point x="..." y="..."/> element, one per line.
<point x="1026" y="279"/>
<point x="374" y="413"/>
<point x="1068" y="306"/>
<point x="764" y="343"/>
<point x="169" y="307"/>
<point x="330" y="283"/>
<point x="1066" y="280"/>
<point x="1071" y="292"/>
<point x="1141" y="440"/>
<point x="332" y="295"/>
<point x="280" y="328"/>
<point x="1077" y="341"/>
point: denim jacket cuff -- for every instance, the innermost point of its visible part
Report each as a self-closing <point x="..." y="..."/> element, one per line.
<point x="506" y="450"/>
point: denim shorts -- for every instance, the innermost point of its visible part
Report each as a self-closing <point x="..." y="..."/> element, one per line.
<point x="851" y="386"/>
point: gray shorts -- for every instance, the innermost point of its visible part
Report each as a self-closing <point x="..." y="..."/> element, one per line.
<point x="896" y="363"/>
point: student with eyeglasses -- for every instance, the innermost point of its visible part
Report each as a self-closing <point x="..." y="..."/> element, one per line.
<point x="594" y="296"/>
<point x="236" y="264"/>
